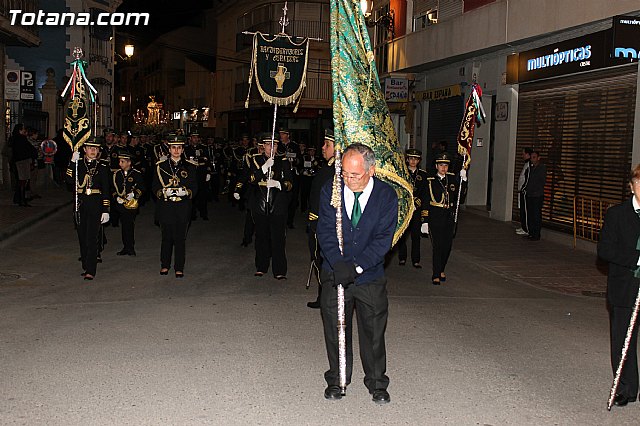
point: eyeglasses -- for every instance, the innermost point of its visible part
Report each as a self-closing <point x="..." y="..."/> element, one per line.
<point x="352" y="176"/>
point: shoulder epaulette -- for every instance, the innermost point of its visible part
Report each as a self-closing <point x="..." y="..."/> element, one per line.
<point x="449" y="173"/>
<point x="195" y="163"/>
<point x="430" y="178"/>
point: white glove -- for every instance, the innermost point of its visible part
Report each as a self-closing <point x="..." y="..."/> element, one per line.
<point x="208" y="178"/>
<point x="272" y="183"/>
<point x="104" y="218"/>
<point x="120" y="200"/>
<point x="75" y="157"/>
<point x="164" y="157"/>
<point x="463" y="175"/>
<point x="168" y="192"/>
<point x="130" y="196"/>
<point x="424" y="228"/>
<point x="181" y="192"/>
<point x="236" y="196"/>
<point x="266" y="165"/>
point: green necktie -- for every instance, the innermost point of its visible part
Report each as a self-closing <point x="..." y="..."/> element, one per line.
<point x="357" y="212"/>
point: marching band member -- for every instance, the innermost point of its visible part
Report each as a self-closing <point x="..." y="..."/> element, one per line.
<point x="175" y="185"/>
<point x="128" y="184"/>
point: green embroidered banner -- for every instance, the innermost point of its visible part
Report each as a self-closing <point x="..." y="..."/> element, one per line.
<point x="360" y="113"/>
<point x="77" y="123"/>
<point x="280" y="68"/>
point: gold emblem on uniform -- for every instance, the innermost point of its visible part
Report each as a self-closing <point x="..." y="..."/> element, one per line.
<point x="184" y="174"/>
<point x="129" y="179"/>
<point x="418" y="177"/>
<point x="114" y="155"/>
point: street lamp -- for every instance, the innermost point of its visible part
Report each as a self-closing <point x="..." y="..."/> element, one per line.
<point x="128" y="50"/>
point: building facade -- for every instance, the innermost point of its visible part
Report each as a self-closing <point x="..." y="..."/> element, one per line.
<point x="558" y="79"/>
<point x="306" y="19"/>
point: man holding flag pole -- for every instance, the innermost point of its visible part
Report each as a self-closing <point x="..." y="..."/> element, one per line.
<point x="363" y="212"/>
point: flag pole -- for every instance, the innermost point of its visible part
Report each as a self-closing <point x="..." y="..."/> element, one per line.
<point x="625" y="350"/>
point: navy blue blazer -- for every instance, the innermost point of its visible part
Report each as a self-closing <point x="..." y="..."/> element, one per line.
<point x="367" y="244"/>
<point x="617" y="245"/>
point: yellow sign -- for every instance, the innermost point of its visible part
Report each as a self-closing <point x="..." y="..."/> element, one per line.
<point x="437" y="94"/>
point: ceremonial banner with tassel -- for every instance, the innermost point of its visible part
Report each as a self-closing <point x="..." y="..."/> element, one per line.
<point x="360" y="113"/>
<point x="77" y="122"/>
<point x="279" y="66"/>
<point x="473" y="114"/>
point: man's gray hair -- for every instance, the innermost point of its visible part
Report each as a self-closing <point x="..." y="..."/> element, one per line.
<point x="366" y="152"/>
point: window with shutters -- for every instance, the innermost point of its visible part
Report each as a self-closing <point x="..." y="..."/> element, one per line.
<point x="583" y="128"/>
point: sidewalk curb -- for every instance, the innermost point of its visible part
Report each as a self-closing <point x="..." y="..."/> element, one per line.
<point x="27" y="223"/>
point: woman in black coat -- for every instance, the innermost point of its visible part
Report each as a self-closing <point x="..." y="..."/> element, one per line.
<point x="23" y="156"/>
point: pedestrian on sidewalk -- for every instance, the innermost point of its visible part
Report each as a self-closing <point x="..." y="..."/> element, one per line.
<point x="523" y="180"/>
<point x="370" y="214"/>
<point x="535" y="195"/>
<point x="24" y="155"/>
<point x="620" y="246"/>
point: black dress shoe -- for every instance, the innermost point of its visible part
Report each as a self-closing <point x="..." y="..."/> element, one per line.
<point x="258" y="274"/>
<point x="435" y="281"/>
<point x="99" y="259"/>
<point x="443" y="278"/>
<point x="122" y="252"/>
<point x="281" y="277"/>
<point x="417" y="265"/>
<point x="132" y="253"/>
<point x="402" y="262"/>
<point x="381" y="396"/>
<point x="179" y="274"/>
<point x="164" y="271"/>
<point x="332" y="392"/>
<point x="621" y="400"/>
<point x="89" y="277"/>
<point x="314" y="305"/>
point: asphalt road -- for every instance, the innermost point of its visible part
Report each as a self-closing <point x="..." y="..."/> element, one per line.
<point x="223" y="347"/>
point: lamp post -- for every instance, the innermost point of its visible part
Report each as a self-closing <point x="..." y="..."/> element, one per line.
<point x="128" y="51"/>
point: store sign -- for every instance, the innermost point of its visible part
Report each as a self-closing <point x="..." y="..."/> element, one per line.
<point x="12" y="85"/>
<point x="176" y="115"/>
<point x="626" y="40"/>
<point x="28" y="85"/>
<point x="440" y="93"/>
<point x="396" y="90"/>
<point x="567" y="57"/>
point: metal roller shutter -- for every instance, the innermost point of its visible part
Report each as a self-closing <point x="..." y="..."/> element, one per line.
<point x="583" y="128"/>
<point x="445" y="116"/>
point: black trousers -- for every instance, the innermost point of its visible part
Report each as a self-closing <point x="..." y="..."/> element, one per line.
<point x="214" y="183"/>
<point x="441" y="228"/>
<point x="414" y="231"/>
<point x="305" y="190"/>
<point x="174" y="235"/>
<point x="88" y="233"/>
<point x="293" y="201"/>
<point x="314" y="252"/>
<point x="249" y="228"/>
<point x="524" y="221"/>
<point x="270" y="242"/>
<point x="620" y="317"/>
<point x="534" y="215"/>
<point x="372" y="308"/>
<point x="128" y="220"/>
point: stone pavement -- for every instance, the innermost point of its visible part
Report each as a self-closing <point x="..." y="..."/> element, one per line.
<point x="14" y="219"/>
<point x="487" y="243"/>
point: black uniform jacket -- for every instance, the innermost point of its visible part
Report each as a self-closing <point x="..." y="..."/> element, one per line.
<point x="257" y="181"/>
<point x="618" y="241"/>
<point x="441" y="198"/>
<point x="93" y="184"/>
<point x="174" y="208"/>
<point x="123" y="185"/>
<point x="418" y="179"/>
<point x="325" y="174"/>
